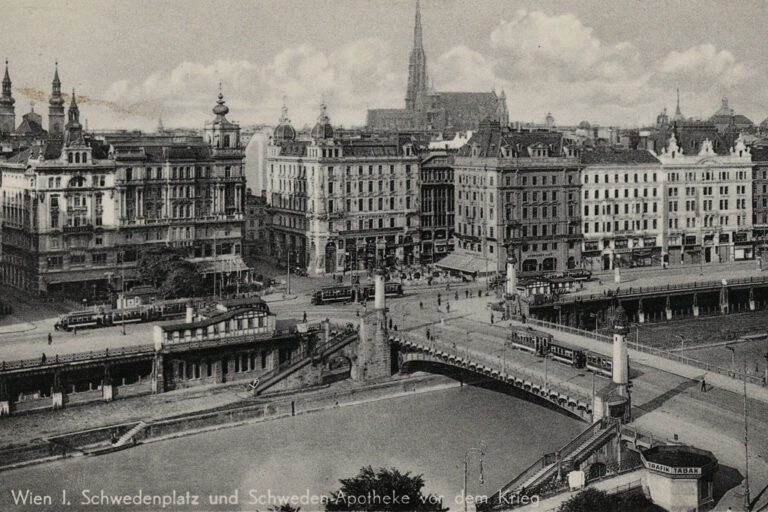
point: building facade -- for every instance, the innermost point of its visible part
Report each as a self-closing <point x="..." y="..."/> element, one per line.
<point x="341" y="204"/>
<point x="707" y="204"/>
<point x="256" y="225"/>
<point x="516" y="190"/>
<point x="760" y="199"/>
<point x="622" y="203"/>
<point x="78" y="210"/>
<point x="437" y="206"/>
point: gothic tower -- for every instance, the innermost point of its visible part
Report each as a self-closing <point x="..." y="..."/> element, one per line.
<point x="56" y="107"/>
<point x="74" y="130"/>
<point x="418" y="84"/>
<point x="7" y="112"/>
<point x="501" y="110"/>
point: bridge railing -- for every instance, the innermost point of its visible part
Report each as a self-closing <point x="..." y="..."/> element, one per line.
<point x="673" y="356"/>
<point x="644" y="290"/>
<point x="75" y="357"/>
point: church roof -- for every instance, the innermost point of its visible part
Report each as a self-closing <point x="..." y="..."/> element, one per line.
<point x="30" y="127"/>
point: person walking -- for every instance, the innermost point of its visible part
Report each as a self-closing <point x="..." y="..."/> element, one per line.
<point x="50" y="338"/>
<point x="305" y="317"/>
<point x="447" y="307"/>
<point x="456" y="295"/>
<point x="421" y="305"/>
<point x="466" y="293"/>
<point x="439" y="300"/>
<point x="703" y="384"/>
<point x="491" y="318"/>
<point x="43" y="359"/>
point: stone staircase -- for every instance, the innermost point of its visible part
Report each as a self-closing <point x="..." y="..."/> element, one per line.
<point x="130" y="434"/>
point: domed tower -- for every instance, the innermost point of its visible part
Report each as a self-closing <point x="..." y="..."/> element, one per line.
<point x="220" y="133"/>
<point x="56" y="107"/>
<point x="7" y="111"/>
<point x="284" y="130"/>
<point x="323" y="128"/>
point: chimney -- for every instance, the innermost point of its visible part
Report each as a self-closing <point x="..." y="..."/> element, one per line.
<point x="190" y="316"/>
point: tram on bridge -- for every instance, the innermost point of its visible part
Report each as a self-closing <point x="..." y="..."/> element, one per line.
<point x="543" y="344"/>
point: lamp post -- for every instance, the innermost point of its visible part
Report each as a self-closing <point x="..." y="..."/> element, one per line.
<point x="122" y="286"/>
<point x="481" y="452"/>
<point x="747" y="505"/>
<point x="682" y="342"/>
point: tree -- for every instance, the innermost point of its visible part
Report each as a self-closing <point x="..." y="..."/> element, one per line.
<point x="155" y="264"/>
<point x="590" y="500"/>
<point x="285" y="507"/>
<point x="167" y="270"/>
<point x="383" y="490"/>
<point x="184" y="281"/>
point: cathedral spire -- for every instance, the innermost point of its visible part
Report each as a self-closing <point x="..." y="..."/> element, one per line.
<point x="7" y="111"/>
<point x="417" y="43"/>
<point x="418" y="82"/>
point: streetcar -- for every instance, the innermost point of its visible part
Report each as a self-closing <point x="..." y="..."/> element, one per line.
<point x="568" y="354"/>
<point x="333" y="294"/>
<point x="349" y="293"/>
<point x="530" y="340"/>
<point x="598" y="363"/>
<point x="107" y="316"/>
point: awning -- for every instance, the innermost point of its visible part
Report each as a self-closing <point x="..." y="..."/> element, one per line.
<point x="221" y="265"/>
<point x="74" y="276"/>
<point x="467" y="263"/>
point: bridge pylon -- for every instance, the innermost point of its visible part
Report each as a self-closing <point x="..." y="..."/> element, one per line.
<point x="374" y="350"/>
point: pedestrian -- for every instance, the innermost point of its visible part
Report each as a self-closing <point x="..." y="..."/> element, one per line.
<point x="447" y="307"/>
<point x="421" y="305"/>
<point x="305" y="317"/>
<point x="390" y="322"/>
<point x="456" y="295"/>
<point x="491" y="318"/>
<point x="428" y="334"/>
<point x="439" y="299"/>
<point x="74" y="330"/>
<point x="43" y="359"/>
<point x="466" y="293"/>
<point x="703" y="384"/>
<point x="523" y="318"/>
<point x="480" y="292"/>
<point x="50" y="338"/>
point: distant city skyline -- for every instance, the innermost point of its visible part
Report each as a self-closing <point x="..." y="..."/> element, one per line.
<point x="611" y="63"/>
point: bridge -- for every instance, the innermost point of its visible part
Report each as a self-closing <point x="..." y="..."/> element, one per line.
<point x="416" y="352"/>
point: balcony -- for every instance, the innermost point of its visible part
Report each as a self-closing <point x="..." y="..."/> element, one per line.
<point x="74" y="230"/>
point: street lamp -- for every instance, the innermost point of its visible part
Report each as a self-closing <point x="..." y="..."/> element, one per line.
<point x="682" y="342"/>
<point x="481" y="452"/>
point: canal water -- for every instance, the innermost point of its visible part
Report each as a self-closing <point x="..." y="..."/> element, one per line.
<point x="306" y="455"/>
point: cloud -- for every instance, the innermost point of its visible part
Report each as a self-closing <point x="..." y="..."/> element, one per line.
<point x="561" y="47"/>
<point x="704" y="62"/>
<point x="352" y="78"/>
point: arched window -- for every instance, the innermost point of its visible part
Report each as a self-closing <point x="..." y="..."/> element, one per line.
<point x="226" y="141"/>
<point x="85" y="157"/>
<point x="77" y="158"/>
<point x="70" y="157"/>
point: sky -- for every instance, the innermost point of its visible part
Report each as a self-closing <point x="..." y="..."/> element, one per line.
<point x="610" y="62"/>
